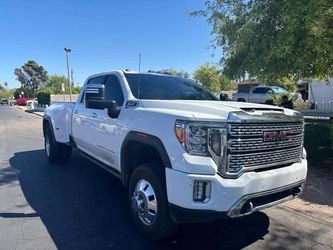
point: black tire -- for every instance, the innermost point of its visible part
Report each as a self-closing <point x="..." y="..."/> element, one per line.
<point x="52" y="150"/>
<point x="241" y="100"/>
<point x="162" y="226"/>
<point x="56" y="152"/>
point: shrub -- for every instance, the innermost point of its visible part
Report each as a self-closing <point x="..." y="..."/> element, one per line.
<point x="22" y="101"/>
<point x="277" y="98"/>
<point x="318" y="141"/>
<point x="43" y="96"/>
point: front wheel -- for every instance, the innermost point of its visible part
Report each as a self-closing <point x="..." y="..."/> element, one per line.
<point x="149" y="204"/>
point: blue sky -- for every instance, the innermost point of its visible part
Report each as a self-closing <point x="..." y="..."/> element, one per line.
<point x="103" y="35"/>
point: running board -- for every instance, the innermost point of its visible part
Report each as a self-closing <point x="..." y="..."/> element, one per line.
<point x="101" y="164"/>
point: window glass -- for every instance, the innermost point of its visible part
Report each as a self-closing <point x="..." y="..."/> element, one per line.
<point x="113" y="90"/>
<point x="279" y="90"/>
<point x="97" y="80"/>
<point x="164" y="87"/>
<point x="261" y="90"/>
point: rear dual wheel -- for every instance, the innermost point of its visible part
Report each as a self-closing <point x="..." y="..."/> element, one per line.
<point x="55" y="151"/>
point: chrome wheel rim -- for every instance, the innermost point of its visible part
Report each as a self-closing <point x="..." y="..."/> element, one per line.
<point x="47" y="145"/>
<point x="144" y="202"/>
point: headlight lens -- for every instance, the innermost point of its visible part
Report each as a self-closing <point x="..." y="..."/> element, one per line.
<point x="192" y="136"/>
<point x="204" y="139"/>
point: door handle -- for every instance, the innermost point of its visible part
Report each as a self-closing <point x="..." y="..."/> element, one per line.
<point x="93" y="115"/>
<point x="75" y="111"/>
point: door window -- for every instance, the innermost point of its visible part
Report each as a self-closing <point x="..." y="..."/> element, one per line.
<point x="261" y="90"/>
<point x="113" y="91"/>
<point x="95" y="80"/>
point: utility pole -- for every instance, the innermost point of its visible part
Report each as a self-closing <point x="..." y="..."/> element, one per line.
<point x="68" y="50"/>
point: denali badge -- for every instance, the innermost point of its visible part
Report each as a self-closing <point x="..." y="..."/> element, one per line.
<point x="276" y="135"/>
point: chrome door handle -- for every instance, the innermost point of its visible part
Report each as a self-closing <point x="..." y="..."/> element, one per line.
<point x="93" y="115"/>
<point x="75" y="111"/>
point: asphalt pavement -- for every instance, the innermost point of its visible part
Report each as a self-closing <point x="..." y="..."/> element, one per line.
<point x="80" y="206"/>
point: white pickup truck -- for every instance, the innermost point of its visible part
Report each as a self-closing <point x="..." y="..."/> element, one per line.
<point x="183" y="155"/>
<point x="260" y="94"/>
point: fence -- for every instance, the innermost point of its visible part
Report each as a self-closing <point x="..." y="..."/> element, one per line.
<point x="63" y="98"/>
<point x="324" y="106"/>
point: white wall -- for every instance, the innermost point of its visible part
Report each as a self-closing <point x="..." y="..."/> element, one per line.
<point x="321" y="93"/>
<point x="63" y="98"/>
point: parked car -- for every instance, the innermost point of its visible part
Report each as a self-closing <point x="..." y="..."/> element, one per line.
<point x="260" y="94"/>
<point x="32" y="102"/>
<point x="184" y="155"/>
<point x="12" y="102"/>
<point x="4" y="102"/>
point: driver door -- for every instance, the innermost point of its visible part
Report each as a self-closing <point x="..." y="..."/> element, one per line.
<point x="106" y="131"/>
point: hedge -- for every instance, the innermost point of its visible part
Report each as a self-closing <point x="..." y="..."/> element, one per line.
<point x="318" y="141"/>
<point x="43" y="96"/>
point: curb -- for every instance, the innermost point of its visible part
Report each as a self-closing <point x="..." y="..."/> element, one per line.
<point x="25" y="109"/>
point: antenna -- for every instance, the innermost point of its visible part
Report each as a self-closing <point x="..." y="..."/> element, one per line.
<point x="139" y="75"/>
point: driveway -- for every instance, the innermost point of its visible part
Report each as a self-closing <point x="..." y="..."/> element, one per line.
<point x="80" y="206"/>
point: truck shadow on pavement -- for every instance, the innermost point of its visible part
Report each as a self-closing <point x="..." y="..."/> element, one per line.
<point x="84" y="207"/>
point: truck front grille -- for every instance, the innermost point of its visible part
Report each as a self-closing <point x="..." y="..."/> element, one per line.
<point x="248" y="150"/>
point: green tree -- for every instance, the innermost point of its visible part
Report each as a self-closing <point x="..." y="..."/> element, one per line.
<point x="76" y="90"/>
<point x="210" y="75"/>
<point x="55" y="84"/>
<point x="5" y="92"/>
<point x="32" y="77"/>
<point x="270" y="39"/>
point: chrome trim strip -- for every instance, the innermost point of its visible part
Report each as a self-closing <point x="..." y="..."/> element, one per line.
<point x="236" y="208"/>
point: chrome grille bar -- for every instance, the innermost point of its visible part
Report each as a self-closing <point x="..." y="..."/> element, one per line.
<point x="253" y="130"/>
<point x="255" y="144"/>
<point x="247" y="150"/>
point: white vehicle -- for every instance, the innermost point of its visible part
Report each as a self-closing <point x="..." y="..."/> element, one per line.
<point x="32" y="103"/>
<point x="184" y="155"/>
<point x="260" y="94"/>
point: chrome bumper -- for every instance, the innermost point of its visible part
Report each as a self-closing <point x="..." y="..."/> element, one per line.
<point x="251" y="203"/>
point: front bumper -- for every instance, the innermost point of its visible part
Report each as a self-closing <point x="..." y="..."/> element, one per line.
<point x="233" y="197"/>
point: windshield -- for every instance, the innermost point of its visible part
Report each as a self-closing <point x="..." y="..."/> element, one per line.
<point x="279" y="90"/>
<point x="164" y="87"/>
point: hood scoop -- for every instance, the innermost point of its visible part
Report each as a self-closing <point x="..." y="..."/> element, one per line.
<point x="253" y="110"/>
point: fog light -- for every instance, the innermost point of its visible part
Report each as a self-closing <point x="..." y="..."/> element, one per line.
<point x="201" y="191"/>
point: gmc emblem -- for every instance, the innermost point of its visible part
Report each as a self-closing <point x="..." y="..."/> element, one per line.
<point x="276" y="135"/>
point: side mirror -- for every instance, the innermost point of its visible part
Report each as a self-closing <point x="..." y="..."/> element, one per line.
<point x="270" y="92"/>
<point x="95" y="99"/>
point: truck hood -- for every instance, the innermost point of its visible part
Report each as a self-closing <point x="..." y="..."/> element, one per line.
<point x="214" y="110"/>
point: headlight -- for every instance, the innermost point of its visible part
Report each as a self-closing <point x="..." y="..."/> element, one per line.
<point x="204" y="139"/>
<point x="192" y="136"/>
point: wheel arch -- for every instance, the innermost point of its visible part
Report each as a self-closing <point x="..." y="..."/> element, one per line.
<point x="141" y="145"/>
<point x="47" y="123"/>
